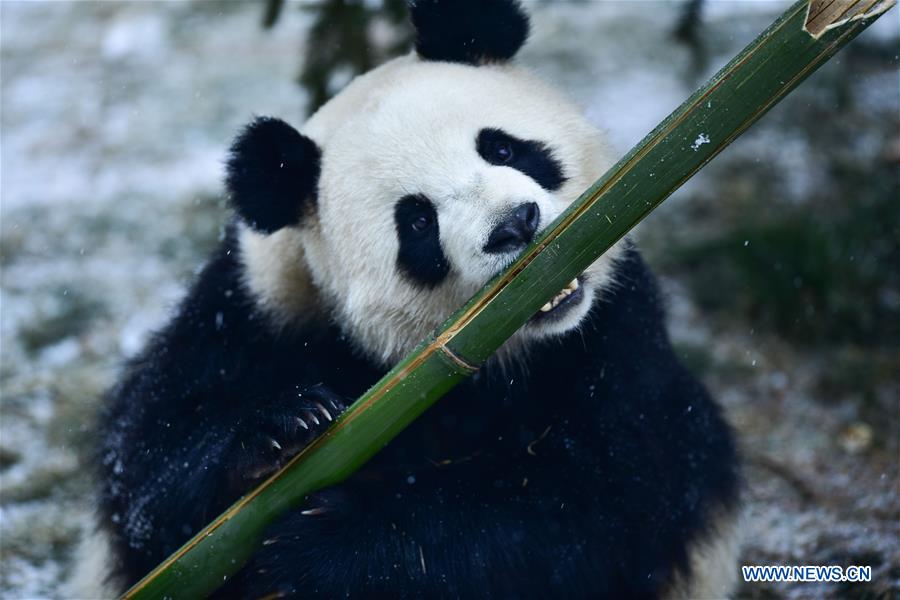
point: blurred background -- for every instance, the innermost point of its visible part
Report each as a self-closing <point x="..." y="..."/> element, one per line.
<point x="780" y="261"/>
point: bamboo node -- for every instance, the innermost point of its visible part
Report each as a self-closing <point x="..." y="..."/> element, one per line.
<point x="458" y="361"/>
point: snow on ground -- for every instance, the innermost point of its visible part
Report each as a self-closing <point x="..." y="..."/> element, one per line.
<point x="115" y="118"/>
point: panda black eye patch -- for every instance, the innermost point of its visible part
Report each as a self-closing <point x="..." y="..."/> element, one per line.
<point x="420" y="257"/>
<point x="531" y="157"/>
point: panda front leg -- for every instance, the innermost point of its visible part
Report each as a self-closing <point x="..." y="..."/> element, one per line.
<point x="268" y="437"/>
<point x="164" y="483"/>
<point x="502" y="532"/>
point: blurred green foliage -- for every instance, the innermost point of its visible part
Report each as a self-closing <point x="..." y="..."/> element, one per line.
<point x="813" y="277"/>
<point x="347" y="38"/>
<point x="820" y="265"/>
<point x="73" y="313"/>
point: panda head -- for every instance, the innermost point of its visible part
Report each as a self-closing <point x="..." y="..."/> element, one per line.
<point x="415" y="185"/>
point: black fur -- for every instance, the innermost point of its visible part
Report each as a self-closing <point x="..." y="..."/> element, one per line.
<point x="586" y="474"/>
<point x="273" y="172"/>
<point x="528" y="156"/>
<point x="469" y="31"/>
<point x="420" y="256"/>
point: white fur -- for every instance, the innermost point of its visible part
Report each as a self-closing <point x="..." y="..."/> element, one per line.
<point x="409" y="127"/>
<point x="713" y="561"/>
<point x="91" y="576"/>
<point x="276" y="272"/>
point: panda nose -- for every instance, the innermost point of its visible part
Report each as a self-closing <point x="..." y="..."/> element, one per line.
<point x="516" y="230"/>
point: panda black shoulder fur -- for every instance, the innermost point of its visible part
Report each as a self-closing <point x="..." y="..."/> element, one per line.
<point x="584" y="460"/>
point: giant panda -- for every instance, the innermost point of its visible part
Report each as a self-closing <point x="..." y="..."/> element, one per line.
<point x="582" y="460"/>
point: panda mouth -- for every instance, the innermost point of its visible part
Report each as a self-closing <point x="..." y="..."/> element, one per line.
<point x="557" y="307"/>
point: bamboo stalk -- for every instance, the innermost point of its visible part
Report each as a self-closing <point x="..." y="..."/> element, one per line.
<point x="756" y="79"/>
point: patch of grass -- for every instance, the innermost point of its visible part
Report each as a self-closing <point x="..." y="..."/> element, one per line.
<point x="74" y="315"/>
<point x="857" y="370"/>
<point x="8" y="458"/>
<point x="827" y="277"/>
<point x="696" y="357"/>
<point x="12" y="241"/>
<point x="198" y="227"/>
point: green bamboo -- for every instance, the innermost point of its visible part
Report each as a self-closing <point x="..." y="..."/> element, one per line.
<point x="763" y="73"/>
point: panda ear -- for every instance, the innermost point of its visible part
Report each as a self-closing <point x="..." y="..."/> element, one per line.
<point x="272" y="174"/>
<point x="469" y="31"/>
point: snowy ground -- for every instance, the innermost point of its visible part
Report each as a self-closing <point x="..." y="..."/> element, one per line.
<point x="115" y="118"/>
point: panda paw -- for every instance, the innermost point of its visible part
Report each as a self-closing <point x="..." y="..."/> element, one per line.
<point x="274" y="433"/>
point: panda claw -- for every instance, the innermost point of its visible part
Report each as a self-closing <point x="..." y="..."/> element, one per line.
<point x="265" y="440"/>
<point x="312" y="512"/>
<point x="323" y="410"/>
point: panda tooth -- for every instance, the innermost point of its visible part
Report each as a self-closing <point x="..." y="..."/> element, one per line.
<point x="574" y="284"/>
<point x="547" y="307"/>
